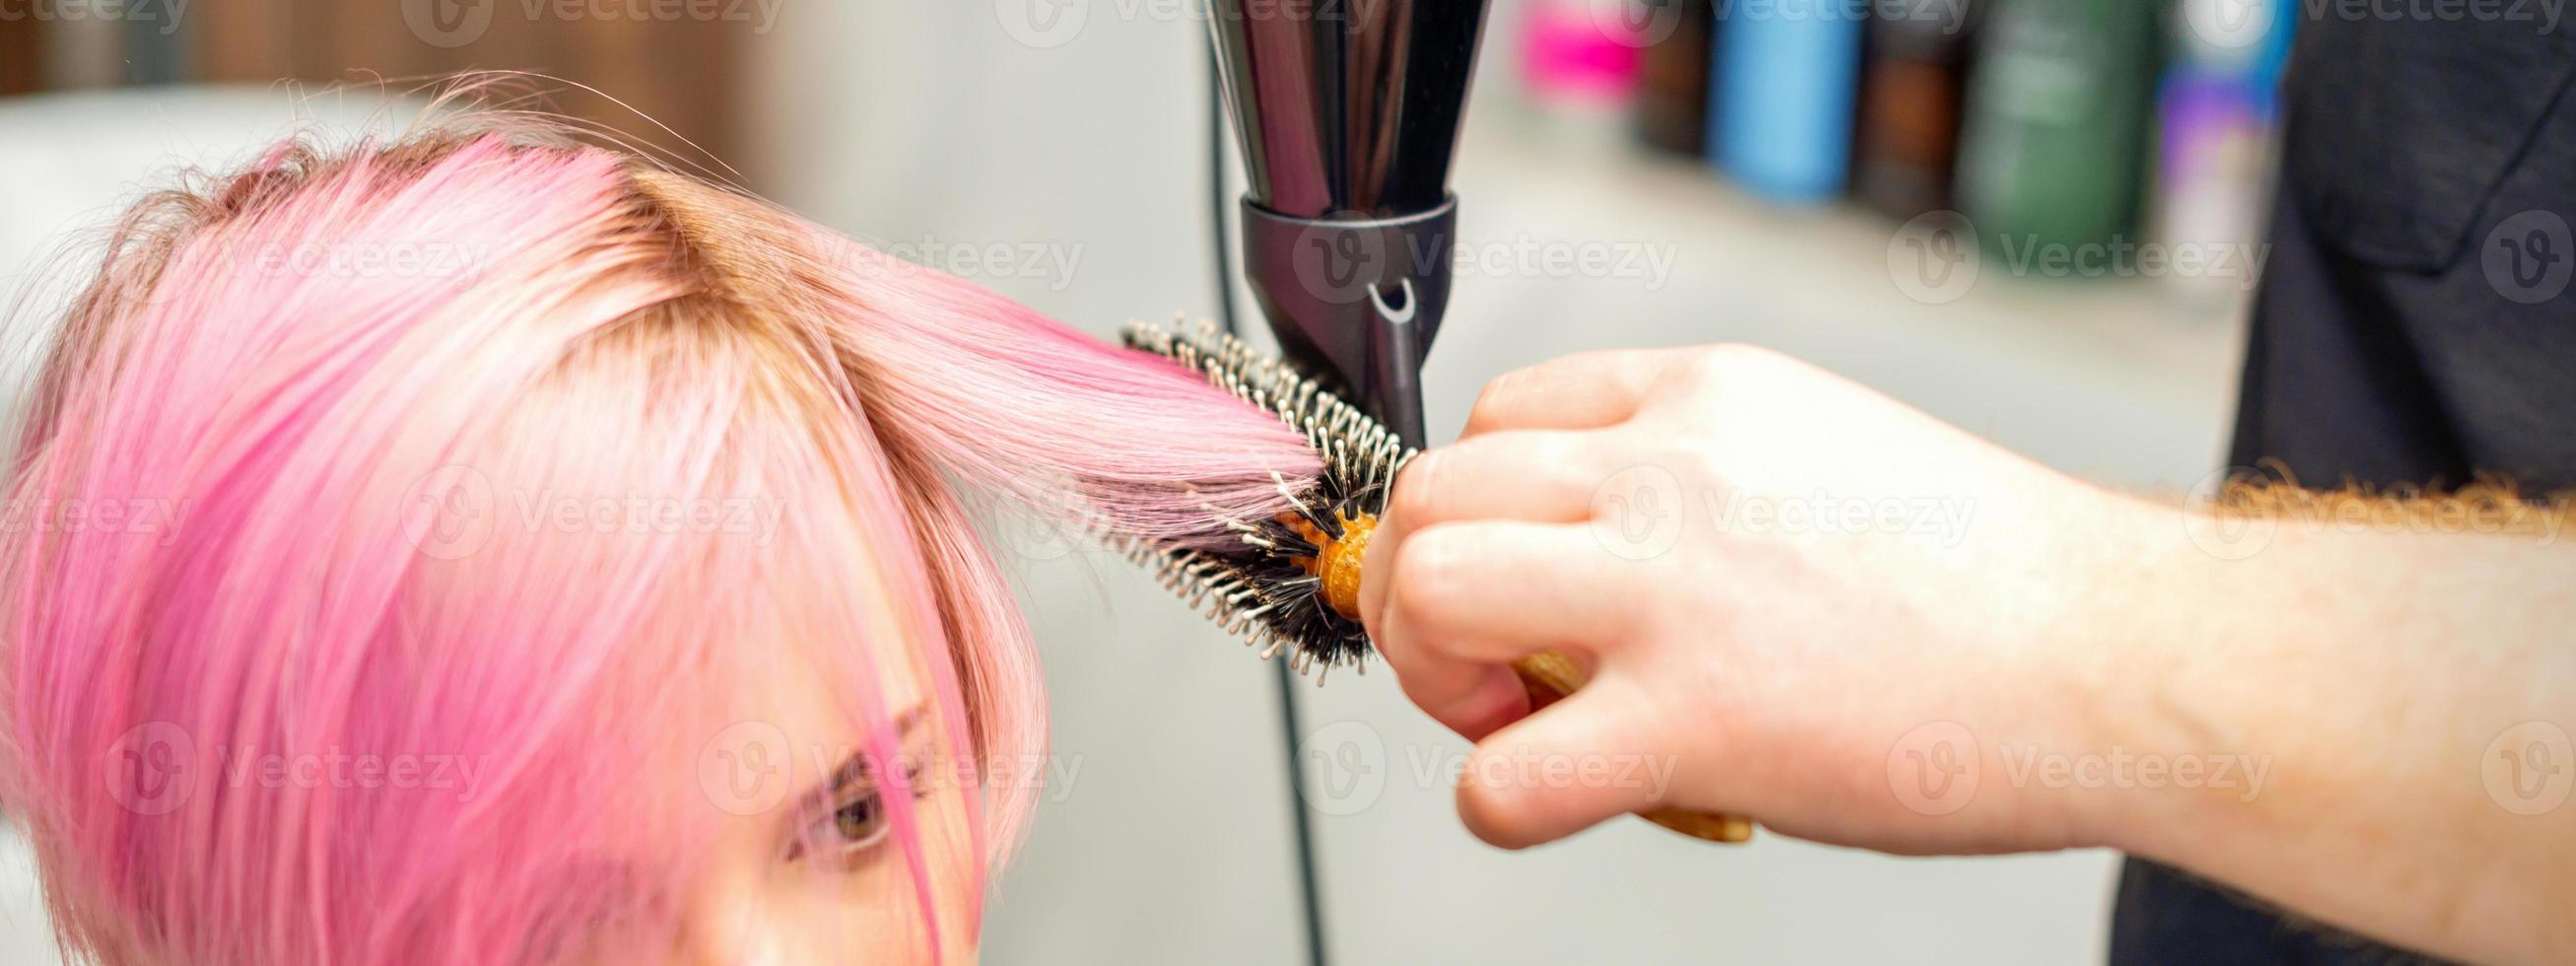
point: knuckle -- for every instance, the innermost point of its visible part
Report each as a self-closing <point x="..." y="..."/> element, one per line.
<point x="1728" y="382"/>
<point x="1693" y="460"/>
<point x="1493" y="399"/>
<point x="1726" y="364"/>
<point x="1413" y="498"/>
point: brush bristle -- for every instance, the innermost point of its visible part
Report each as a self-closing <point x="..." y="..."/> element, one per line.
<point x="1254" y="577"/>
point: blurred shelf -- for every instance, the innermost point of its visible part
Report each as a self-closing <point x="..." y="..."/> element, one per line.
<point x="2112" y="354"/>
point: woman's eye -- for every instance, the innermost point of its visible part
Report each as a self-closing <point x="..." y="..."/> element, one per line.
<point x="856" y="826"/>
<point x="846" y="833"/>
<point x="860" y="823"/>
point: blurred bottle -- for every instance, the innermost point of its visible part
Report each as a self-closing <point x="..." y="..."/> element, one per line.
<point x="1579" y="61"/>
<point x="1783" y="89"/>
<point x="2054" y="136"/>
<point x="1673" y="82"/>
<point x="2219" y="110"/>
<point x="1911" y="90"/>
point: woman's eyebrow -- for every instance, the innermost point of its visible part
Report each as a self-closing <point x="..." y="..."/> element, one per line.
<point x="856" y="767"/>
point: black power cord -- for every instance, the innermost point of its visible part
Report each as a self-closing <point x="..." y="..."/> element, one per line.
<point x="1289" y="728"/>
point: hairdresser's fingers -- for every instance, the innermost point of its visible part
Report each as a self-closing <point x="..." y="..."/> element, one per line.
<point x="1589" y="757"/>
<point x="1471" y="697"/>
<point x="1587" y="390"/>
<point x="1464" y="599"/>
<point x="1496" y="591"/>
<point x="1543" y="476"/>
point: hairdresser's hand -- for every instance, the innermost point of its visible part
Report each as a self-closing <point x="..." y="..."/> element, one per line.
<point x="1787" y="585"/>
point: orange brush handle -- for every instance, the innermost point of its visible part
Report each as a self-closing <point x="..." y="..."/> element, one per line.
<point x="1550" y="676"/>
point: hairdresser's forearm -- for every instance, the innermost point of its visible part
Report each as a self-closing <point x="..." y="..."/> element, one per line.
<point x="2374" y="673"/>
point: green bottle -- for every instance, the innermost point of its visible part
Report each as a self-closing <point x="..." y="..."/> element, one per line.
<point x="2054" y="141"/>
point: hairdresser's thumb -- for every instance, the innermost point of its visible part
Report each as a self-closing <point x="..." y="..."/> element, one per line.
<point x="1573" y="764"/>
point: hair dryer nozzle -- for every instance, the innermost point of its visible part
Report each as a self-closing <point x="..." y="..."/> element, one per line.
<point x="1359" y="298"/>
<point x="1348" y="115"/>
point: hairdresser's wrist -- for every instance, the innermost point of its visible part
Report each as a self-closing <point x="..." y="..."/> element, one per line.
<point x="2131" y="660"/>
<point x="2117" y="634"/>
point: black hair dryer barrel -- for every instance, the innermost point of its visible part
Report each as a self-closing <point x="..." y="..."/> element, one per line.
<point x="1348" y="113"/>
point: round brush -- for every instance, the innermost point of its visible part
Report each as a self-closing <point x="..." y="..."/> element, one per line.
<point x="1291" y="585"/>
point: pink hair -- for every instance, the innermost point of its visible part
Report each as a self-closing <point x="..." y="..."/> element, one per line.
<point x="294" y="430"/>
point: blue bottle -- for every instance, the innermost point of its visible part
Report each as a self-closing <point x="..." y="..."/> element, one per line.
<point x="1783" y="91"/>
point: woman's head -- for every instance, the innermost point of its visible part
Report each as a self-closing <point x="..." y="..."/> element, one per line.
<point x="485" y="549"/>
